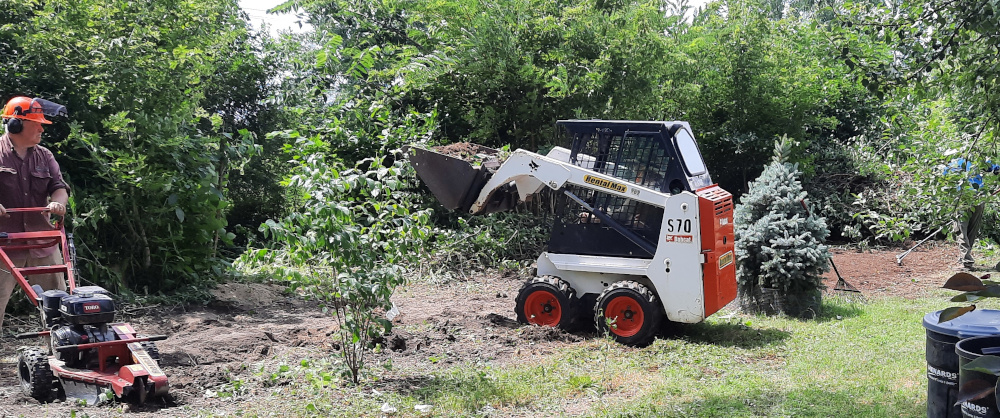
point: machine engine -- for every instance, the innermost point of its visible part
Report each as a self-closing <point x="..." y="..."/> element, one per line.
<point x="79" y="318"/>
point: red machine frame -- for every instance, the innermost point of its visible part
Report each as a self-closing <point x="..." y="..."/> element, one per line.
<point x="123" y="362"/>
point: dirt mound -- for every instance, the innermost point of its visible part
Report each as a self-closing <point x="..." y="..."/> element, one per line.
<point x="537" y="333"/>
<point x="249" y="296"/>
<point x="465" y="150"/>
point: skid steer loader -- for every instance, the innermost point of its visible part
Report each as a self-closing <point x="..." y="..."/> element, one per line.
<point x="641" y="234"/>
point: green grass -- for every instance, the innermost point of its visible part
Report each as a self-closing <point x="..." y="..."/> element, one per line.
<point x="857" y="360"/>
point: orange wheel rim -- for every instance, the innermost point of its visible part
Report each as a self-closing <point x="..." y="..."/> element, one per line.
<point x="543" y="308"/>
<point x="627" y="314"/>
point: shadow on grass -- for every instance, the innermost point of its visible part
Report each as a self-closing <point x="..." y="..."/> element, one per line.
<point x="728" y="334"/>
<point x="738" y="334"/>
<point x="835" y="309"/>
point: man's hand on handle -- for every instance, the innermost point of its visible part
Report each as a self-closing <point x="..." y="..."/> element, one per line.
<point x="57" y="208"/>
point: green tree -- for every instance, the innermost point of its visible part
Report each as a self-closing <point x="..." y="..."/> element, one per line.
<point x="751" y="77"/>
<point x="935" y="64"/>
<point x="495" y="72"/>
<point x="348" y="242"/>
<point x="779" y="246"/>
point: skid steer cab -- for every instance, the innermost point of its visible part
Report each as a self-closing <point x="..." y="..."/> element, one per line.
<point x="642" y="236"/>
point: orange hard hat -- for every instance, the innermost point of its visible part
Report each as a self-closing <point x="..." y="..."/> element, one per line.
<point x="25" y="108"/>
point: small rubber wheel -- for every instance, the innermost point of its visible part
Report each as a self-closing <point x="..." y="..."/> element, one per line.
<point x="629" y="312"/>
<point x="34" y="373"/>
<point x="547" y="301"/>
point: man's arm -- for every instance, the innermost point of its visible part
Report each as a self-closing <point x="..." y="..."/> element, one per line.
<point x="58" y="201"/>
<point x="58" y="189"/>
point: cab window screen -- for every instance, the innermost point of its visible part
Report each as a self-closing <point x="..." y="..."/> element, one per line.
<point x="689" y="153"/>
<point x="634" y="157"/>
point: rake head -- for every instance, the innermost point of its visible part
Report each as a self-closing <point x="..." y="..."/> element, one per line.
<point x="843" y="286"/>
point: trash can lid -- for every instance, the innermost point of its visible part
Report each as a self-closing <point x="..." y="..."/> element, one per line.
<point x="973" y="324"/>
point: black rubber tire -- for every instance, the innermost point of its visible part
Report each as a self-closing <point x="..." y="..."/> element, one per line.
<point x="559" y="301"/>
<point x="638" y="300"/>
<point x="34" y="373"/>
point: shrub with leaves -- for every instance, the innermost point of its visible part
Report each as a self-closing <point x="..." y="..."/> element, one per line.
<point x="499" y="240"/>
<point x="779" y="245"/>
<point x="348" y="243"/>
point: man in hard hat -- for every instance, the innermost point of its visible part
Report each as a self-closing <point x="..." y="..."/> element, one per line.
<point x="29" y="177"/>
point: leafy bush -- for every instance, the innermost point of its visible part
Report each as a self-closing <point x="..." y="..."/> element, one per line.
<point x="499" y="240"/>
<point x="916" y="194"/>
<point x="347" y="243"/>
<point x="779" y="247"/>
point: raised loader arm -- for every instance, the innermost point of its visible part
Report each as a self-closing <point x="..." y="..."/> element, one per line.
<point x="529" y="172"/>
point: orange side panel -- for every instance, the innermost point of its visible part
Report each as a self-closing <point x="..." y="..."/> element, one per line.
<point x="716" y="211"/>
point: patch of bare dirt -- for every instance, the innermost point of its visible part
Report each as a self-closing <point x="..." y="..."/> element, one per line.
<point x="876" y="273"/>
<point x="207" y="347"/>
<point x="465" y="322"/>
<point x="250" y="326"/>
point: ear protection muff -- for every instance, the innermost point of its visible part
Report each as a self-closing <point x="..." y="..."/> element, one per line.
<point x="14" y="125"/>
<point x="34" y="110"/>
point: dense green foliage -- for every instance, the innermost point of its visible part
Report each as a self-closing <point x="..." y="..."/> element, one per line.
<point x="158" y="97"/>
<point x="503" y="73"/>
<point x="741" y="71"/>
<point x="168" y="98"/>
<point x="936" y="65"/>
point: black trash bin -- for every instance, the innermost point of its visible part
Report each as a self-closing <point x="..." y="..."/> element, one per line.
<point x="970" y="349"/>
<point x="942" y="361"/>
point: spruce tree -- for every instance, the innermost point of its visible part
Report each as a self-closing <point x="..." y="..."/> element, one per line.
<point x="779" y="247"/>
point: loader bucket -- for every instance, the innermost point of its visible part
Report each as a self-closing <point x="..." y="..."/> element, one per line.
<point x="455" y="182"/>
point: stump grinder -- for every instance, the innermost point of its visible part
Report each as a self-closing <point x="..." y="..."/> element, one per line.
<point x="85" y="354"/>
<point x="641" y="234"/>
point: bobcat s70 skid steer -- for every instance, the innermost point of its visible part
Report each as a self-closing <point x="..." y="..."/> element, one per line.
<point x="641" y="234"/>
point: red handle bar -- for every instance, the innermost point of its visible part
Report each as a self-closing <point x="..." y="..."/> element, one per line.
<point x="55" y="225"/>
<point x="16" y="210"/>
